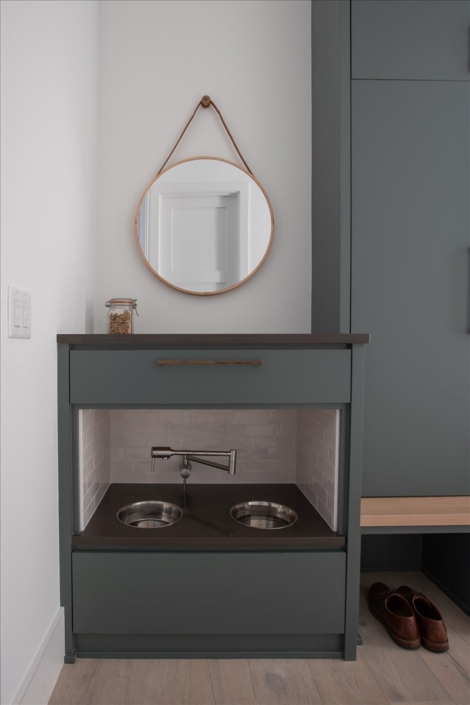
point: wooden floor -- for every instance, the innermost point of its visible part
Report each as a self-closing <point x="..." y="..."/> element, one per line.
<point x="383" y="673"/>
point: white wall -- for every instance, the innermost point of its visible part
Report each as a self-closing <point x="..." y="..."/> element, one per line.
<point x="157" y="60"/>
<point x="49" y="98"/>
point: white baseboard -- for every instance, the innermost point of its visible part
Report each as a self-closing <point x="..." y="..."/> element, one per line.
<point x="44" y="671"/>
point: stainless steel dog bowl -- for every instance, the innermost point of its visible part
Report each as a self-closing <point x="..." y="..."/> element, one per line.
<point x="149" y="515"/>
<point x="263" y="515"/>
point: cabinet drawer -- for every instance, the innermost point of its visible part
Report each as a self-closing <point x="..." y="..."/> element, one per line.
<point x="139" y="377"/>
<point x="208" y="593"/>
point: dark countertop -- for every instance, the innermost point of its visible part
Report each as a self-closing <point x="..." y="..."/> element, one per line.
<point x="207" y="522"/>
<point x="183" y="340"/>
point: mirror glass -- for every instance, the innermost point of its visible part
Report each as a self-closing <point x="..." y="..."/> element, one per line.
<point x="204" y="226"/>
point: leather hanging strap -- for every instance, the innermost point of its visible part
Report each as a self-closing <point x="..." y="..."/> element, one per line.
<point x="205" y="102"/>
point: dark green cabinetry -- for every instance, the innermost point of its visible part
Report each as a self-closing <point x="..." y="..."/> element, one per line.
<point x="135" y="377"/>
<point x="410" y="39"/>
<point x="411" y="244"/>
<point x="410" y="283"/>
<point x="147" y="602"/>
<point x="209" y="593"/>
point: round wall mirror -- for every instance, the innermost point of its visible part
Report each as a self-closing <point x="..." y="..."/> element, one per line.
<point x="204" y="226"/>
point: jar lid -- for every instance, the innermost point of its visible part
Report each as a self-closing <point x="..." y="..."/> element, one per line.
<point x="122" y="302"/>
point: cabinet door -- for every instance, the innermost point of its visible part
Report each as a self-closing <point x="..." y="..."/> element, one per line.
<point x="410" y="39"/>
<point x="410" y="267"/>
<point x="209" y="593"/>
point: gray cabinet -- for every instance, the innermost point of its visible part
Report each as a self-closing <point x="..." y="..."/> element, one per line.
<point x="410" y="282"/>
<point x="410" y="39"/>
<point x="138" y="377"/>
<point x="209" y="593"/>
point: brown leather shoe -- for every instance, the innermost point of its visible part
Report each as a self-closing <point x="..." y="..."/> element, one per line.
<point x="431" y="625"/>
<point x="396" y="614"/>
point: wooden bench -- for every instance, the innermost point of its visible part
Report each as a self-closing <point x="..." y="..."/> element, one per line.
<point x="415" y="511"/>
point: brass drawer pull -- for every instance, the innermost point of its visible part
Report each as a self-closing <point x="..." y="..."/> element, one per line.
<point x="255" y="363"/>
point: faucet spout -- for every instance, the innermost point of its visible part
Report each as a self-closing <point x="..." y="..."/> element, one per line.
<point x="199" y="456"/>
<point x="230" y="468"/>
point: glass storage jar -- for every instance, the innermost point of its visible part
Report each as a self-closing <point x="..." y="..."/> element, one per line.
<point x="121" y="316"/>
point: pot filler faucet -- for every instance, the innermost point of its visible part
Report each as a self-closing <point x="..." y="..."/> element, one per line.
<point x="161" y="453"/>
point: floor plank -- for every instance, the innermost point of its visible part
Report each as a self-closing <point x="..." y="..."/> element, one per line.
<point x="231" y="682"/>
<point x="170" y="682"/>
<point x="452" y="614"/>
<point x="402" y="674"/>
<point x="383" y="673"/>
<point x="351" y="683"/>
<point x="452" y="668"/>
<point x="73" y="685"/>
<point x="110" y="682"/>
<point x="283" y="682"/>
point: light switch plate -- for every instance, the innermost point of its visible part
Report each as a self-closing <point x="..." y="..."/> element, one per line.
<point x="19" y="313"/>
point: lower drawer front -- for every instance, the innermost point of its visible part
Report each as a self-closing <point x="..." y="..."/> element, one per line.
<point x="153" y="377"/>
<point x="208" y="593"/>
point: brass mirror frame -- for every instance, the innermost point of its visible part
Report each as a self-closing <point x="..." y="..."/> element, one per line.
<point x="178" y="288"/>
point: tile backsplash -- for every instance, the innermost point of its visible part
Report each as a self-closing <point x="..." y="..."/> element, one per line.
<point x="273" y="446"/>
<point x="265" y="442"/>
<point x="317" y="460"/>
<point x="94" y="460"/>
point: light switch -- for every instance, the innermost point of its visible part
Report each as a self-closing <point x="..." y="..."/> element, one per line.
<point x="19" y="313"/>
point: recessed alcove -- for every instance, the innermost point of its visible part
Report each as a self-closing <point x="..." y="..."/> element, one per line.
<point x="275" y="446"/>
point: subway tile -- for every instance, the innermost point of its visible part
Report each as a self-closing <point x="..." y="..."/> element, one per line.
<point x="179" y="416"/>
<point x="237" y="442"/>
<point x="259" y="466"/>
<point x="330" y="439"/>
<point x="327" y="468"/>
<point x="266" y="441"/>
<point x="138" y="416"/>
<point x="87" y="421"/>
<point x="316" y="430"/>
<point x="122" y="466"/>
<point x="229" y="429"/>
<point x="308" y="492"/>
<point x="310" y="454"/>
<point x="120" y="429"/>
<point x="248" y="418"/>
<point x="91" y="434"/>
<point x="143" y="465"/>
<point x="282" y="454"/>
<point x="328" y="422"/>
<point x="144" y="429"/>
<point x="263" y="430"/>
<point x="130" y="442"/>
<point x="212" y="416"/>
<point x="183" y="430"/>
<point x="288" y="430"/>
<point x="324" y="512"/>
<point x="204" y="443"/>
<point x="131" y="477"/>
<point x="159" y="440"/>
<point x="87" y="453"/>
<point x="253" y="453"/>
<point x="136" y="454"/>
<point x="288" y="416"/>
<point x="115" y="416"/>
<point x="321" y="448"/>
<point x="329" y="487"/>
<point x="273" y="441"/>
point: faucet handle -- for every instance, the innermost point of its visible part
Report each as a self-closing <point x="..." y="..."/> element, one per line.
<point x="161" y="452"/>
